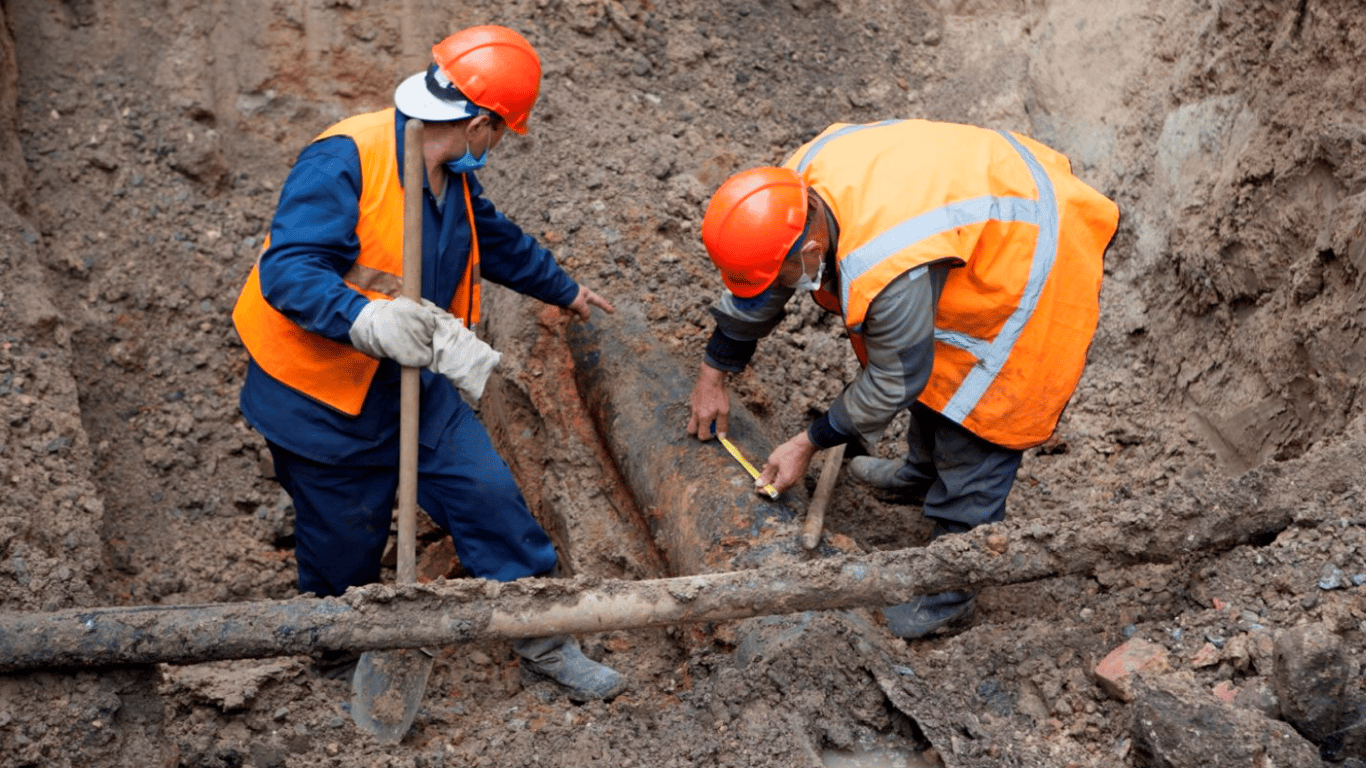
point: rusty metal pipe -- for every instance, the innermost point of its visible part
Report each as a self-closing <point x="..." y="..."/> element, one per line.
<point x="701" y="506"/>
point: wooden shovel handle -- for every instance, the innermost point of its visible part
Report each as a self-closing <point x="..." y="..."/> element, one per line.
<point x="815" y="513"/>
<point x="411" y="382"/>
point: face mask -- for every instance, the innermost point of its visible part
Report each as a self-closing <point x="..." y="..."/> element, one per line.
<point x="467" y="162"/>
<point x="805" y="283"/>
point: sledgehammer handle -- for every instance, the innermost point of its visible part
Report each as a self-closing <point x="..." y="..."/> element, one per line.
<point x="815" y="513"/>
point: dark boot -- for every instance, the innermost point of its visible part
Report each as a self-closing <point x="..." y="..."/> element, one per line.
<point x="948" y="611"/>
<point x="893" y="476"/>
<point x="561" y="659"/>
<point x="336" y="665"/>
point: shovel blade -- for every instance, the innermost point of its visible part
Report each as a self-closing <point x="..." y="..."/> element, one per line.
<point x="386" y="691"/>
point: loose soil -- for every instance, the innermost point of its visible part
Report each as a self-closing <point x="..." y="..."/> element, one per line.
<point x="142" y="146"/>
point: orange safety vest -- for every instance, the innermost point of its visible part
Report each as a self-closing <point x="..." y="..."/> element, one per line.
<point x="1016" y="316"/>
<point x="336" y="374"/>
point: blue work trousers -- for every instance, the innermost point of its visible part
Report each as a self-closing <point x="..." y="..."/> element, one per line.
<point x="967" y="478"/>
<point x="343" y="513"/>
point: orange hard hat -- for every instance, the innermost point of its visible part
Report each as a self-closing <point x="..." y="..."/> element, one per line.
<point x="752" y="222"/>
<point x="495" y="68"/>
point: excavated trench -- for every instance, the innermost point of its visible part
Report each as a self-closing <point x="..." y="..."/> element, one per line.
<point x="697" y="509"/>
<point x="610" y="397"/>
<point x="141" y="150"/>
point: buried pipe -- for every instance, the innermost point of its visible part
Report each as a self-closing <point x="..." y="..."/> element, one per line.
<point x="639" y="396"/>
<point x="700" y="504"/>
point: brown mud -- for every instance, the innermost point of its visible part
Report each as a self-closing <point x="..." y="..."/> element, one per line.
<point x="142" y="146"/>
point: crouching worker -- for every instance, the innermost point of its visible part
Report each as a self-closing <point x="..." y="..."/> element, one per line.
<point x="327" y="336"/>
<point x="966" y="266"/>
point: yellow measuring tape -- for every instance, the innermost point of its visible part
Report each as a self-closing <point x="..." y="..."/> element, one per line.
<point x="768" y="490"/>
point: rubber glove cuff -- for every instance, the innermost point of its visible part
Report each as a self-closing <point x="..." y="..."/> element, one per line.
<point x="462" y="357"/>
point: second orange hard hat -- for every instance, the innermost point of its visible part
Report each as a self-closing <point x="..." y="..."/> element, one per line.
<point x="751" y="223"/>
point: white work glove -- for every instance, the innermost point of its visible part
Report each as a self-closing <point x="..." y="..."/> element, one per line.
<point x="462" y="357"/>
<point x="400" y="330"/>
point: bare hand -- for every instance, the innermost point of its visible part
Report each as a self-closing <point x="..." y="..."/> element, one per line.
<point x="582" y="305"/>
<point x="787" y="464"/>
<point x="709" y="405"/>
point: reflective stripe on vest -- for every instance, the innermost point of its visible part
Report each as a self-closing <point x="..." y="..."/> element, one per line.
<point x="330" y="372"/>
<point x="991" y="355"/>
<point x="990" y="361"/>
<point x="1024" y="411"/>
<point x="465" y="304"/>
<point x="821" y="141"/>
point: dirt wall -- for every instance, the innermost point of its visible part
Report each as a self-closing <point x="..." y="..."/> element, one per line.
<point x="1261" y="278"/>
<point x="142" y="146"/>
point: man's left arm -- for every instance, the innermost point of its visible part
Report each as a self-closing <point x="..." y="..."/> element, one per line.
<point x="512" y="258"/>
<point x="899" y="338"/>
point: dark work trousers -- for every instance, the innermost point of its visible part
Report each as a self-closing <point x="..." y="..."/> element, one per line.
<point x="342" y="513"/>
<point x="968" y="478"/>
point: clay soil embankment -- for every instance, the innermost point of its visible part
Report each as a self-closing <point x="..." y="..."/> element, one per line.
<point x="142" y="146"/>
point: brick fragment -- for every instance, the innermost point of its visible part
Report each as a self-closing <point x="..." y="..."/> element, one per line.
<point x="438" y="560"/>
<point x="1116" y="672"/>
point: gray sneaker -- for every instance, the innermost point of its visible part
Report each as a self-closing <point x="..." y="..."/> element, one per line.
<point x="948" y="611"/>
<point x="885" y="475"/>
<point x="560" y="659"/>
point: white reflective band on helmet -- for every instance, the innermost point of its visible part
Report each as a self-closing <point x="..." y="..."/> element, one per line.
<point x="430" y="96"/>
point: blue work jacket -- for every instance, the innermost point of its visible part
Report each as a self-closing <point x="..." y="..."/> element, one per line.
<point x="313" y="243"/>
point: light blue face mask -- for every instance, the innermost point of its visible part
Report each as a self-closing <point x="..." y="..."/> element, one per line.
<point x="468" y="162"/>
<point x="805" y="283"/>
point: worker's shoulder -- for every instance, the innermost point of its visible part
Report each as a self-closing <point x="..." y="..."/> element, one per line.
<point x="332" y="153"/>
<point x="335" y="145"/>
<point x="365" y="129"/>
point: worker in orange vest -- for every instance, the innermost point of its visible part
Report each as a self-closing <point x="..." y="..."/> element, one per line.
<point x="966" y="266"/>
<point x="327" y="332"/>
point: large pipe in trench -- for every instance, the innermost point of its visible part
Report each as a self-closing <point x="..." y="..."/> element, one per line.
<point x="700" y="504"/>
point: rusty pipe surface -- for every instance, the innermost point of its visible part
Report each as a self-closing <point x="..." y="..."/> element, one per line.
<point x="701" y="505"/>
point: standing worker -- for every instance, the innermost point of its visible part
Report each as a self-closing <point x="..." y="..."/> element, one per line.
<point x="966" y="264"/>
<point x="327" y="336"/>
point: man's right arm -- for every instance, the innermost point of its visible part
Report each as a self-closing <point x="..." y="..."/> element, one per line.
<point x="740" y="323"/>
<point x="899" y="338"/>
<point x="313" y="241"/>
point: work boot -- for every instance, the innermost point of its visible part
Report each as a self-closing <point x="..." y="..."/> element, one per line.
<point x="949" y="611"/>
<point x="336" y="665"/>
<point x="886" y="475"/>
<point x="561" y="659"/>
